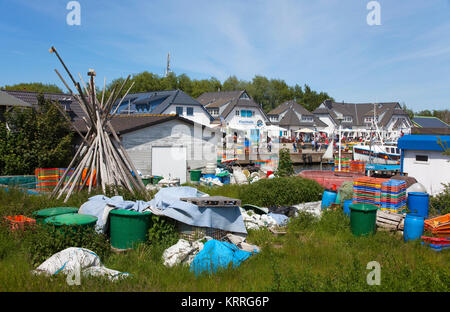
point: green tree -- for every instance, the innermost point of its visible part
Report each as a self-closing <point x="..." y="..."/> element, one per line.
<point x="408" y="111"/>
<point x="31" y="139"/>
<point x="285" y="167"/>
<point x="35" y="87"/>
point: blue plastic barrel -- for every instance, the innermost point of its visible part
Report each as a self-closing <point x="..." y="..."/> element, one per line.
<point x="413" y="228"/>
<point x="328" y="198"/>
<point x="347" y="204"/>
<point x="418" y="203"/>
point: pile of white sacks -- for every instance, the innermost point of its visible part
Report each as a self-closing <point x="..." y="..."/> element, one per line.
<point x="254" y="221"/>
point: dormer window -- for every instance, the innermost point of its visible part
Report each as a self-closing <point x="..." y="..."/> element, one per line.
<point x="214" y="111"/>
<point x="307" y="118"/>
<point x="244" y="96"/>
<point x="348" y="119"/>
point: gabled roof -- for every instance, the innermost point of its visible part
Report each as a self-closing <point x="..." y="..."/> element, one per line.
<point x="168" y="97"/>
<point x="429" y="122"/>
<point x="66" y="100"/>
<point x="9" y="100"/>
<point x="358" y="111"/>
<point x="291" y="119"/>
<point x="287" y="105"/>
<point x="217" y="99"/>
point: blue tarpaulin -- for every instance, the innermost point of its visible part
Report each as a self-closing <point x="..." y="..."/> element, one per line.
<point x="216" y="254"/>
<point x="96" y="205"/>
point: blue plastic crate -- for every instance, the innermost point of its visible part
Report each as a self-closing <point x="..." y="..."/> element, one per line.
<point x="436" y="247"/>
<point x="394" y="183"/>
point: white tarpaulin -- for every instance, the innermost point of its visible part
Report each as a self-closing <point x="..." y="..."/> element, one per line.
<point x="74" y="260"/>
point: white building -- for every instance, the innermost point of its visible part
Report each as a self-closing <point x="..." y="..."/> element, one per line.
<point x="235" y="110"/>
<point x="164" y="102"/>
<point x="165" y="145"/>
<point x="293" y="117"/>
<point x="391" y="119"/>
<point x="422" y="158"/>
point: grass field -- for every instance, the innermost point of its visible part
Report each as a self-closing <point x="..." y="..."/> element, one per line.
<point x="314" y="255"/>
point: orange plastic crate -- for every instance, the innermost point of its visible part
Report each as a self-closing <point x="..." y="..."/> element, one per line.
<point x="19" y="222"/>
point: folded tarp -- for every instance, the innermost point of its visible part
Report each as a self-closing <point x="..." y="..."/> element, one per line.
<point x="167" y="203"/>
<point x="100" y="206"/>
<point x="216" y="254"/>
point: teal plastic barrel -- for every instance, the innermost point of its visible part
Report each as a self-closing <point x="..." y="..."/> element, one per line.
<point x="418" y="203"/>
<point x="128" y="228"/>
<point x="328" y="198"/>
<point x="413" y="228"/>
<point x="42" y="215"/>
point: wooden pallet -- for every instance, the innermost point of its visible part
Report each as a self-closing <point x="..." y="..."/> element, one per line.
<point x="390" y="221"/>
<point x="213" y="201"/>
<point x="277" y="231"/>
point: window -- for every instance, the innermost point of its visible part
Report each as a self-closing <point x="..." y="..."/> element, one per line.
<point x="273" y="118"/>
<point x="244" y="96"/>
<point x="370" y="119"/>
<point x="422" y="158"/>
<point x="247" y="113"/>
<point x="190" y="111"/>
<point x="214" y="111"/>
<point x="237" y="113"/>
<point x="348" y="119"/>
<point x="179" y="110"/>
<point x="307" y="118"/>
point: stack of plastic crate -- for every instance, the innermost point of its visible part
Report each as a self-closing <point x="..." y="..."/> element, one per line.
<point x="345" y="164"/>
<point x="367" y="190"/>
<point x="393" y="196"/>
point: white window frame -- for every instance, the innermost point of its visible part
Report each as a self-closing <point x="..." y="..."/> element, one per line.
<point x="421" y="162"/>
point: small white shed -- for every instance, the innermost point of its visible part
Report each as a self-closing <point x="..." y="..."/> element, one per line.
<point x="422" y="158"/>
<point x="168" y="145"/>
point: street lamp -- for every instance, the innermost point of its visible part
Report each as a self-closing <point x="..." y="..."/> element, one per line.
<point x="340" y="118"/>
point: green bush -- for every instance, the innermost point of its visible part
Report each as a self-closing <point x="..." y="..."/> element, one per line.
<point x="281" y="192"/>
<point x="47" y="240"/>
<point x="440" y="203"/>
<point x="163" y="231"/>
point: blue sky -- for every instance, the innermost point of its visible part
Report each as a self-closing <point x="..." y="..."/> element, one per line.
<point x="326" y="44"/>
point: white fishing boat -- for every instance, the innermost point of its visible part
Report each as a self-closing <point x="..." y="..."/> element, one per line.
<point x="375" y="150"/>
<point x="377" y="153"/>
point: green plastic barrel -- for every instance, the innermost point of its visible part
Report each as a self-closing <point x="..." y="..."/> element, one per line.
<point x="195" y="175"/>
<point x="128" y="228"/>
<point x="43" y="214"/>
<point x="363" y="219"/>
<point x="156" y="179"/>
<point x="70" y="223"/>
<point x="146" y="181"/>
